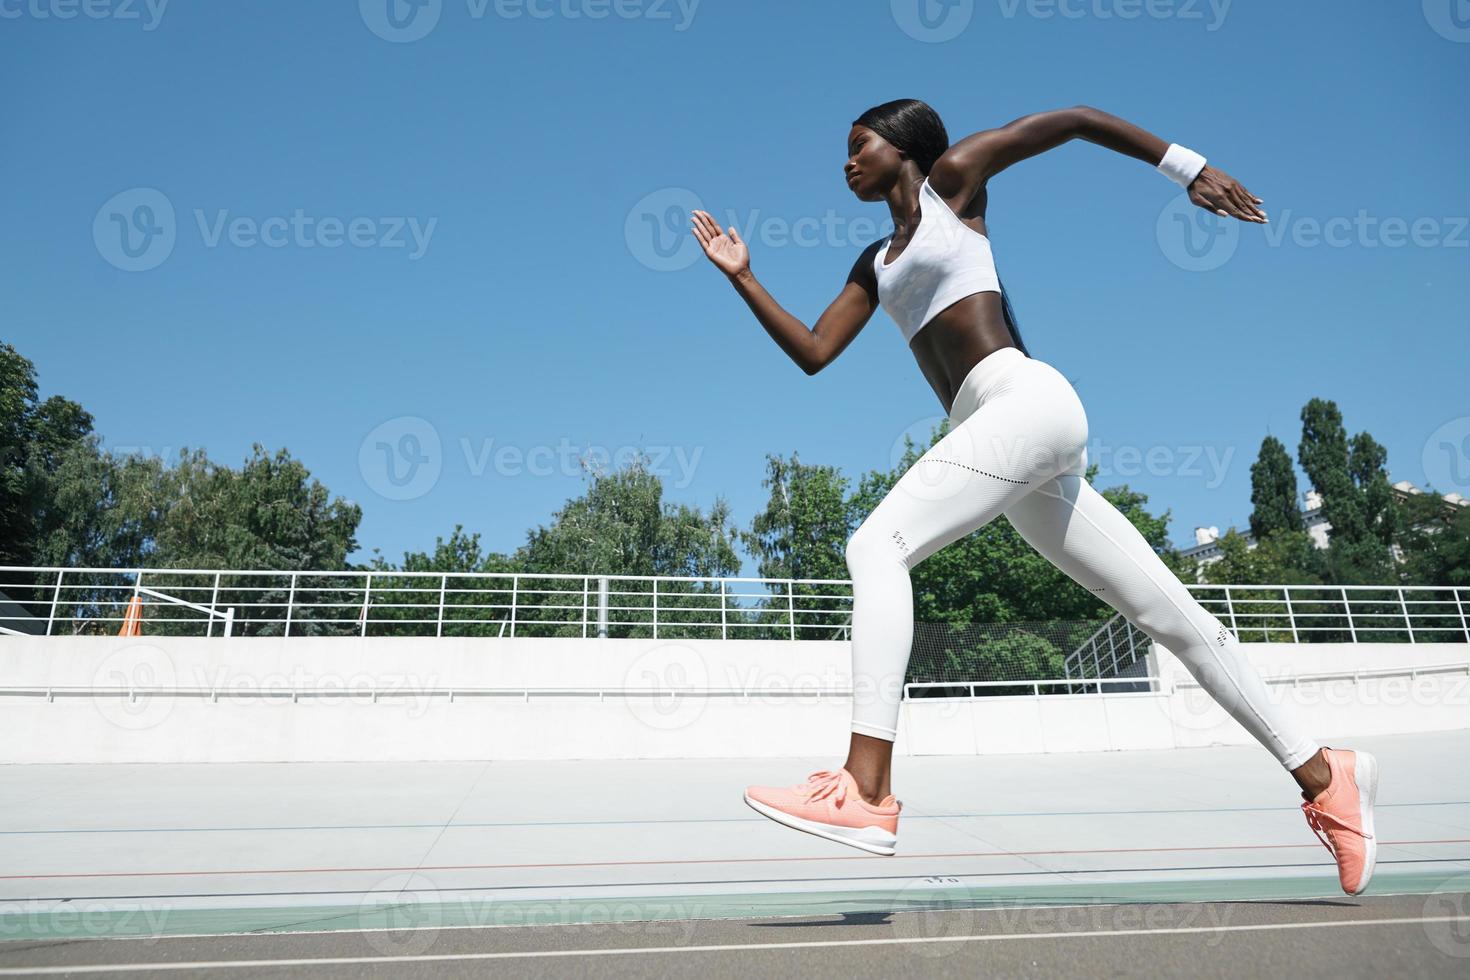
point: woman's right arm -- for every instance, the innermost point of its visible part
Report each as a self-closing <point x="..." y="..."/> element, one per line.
<point x="811" y="349"/>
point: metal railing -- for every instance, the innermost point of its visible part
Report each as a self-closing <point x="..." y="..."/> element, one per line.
<point x="57" y="600"/>
<point x="1116" y="647"/>
<point x="1076" y="686"/>
<point x="389" y="603"/>
<point x="1340" y="613"/>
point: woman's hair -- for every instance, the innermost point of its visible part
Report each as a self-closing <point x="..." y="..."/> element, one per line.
<point x="914" y="128"/>
<point x="910" y="126"/>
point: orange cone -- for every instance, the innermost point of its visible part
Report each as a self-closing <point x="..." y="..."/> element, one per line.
<point x="133" y="621"/>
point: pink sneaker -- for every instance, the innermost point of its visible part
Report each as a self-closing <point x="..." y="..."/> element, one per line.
<point x="1342" y="816"/>
<point x="828" y="805"/>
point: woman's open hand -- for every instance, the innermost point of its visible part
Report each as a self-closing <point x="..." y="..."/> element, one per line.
<point x="1215" y="190"/>
<point x="726" y="251"/>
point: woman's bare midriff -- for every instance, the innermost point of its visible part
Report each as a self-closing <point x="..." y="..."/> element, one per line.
<point x="957" y="339"/>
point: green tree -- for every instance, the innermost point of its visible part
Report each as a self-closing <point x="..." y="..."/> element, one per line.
<point x="803" y="531"/>
<point x="1281" y="558"/>
<point x="1273" y="491"/>
<point x="1357" y="501"/>
<point x="1435" y="540"/>
<point x="35" y="438"/>
<point x="623" y="526"/>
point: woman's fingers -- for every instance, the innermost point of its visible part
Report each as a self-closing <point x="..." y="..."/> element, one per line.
<point x="1247" y="204"/>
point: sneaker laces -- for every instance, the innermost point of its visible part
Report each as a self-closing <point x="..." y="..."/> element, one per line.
<point x="824" y="783"/>
<point x="1316" y="819"/>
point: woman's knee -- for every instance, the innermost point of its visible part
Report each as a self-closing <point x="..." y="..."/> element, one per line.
<point x="872" y="548"/>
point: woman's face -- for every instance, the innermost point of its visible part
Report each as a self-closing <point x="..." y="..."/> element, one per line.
<point x="872" y="163"/>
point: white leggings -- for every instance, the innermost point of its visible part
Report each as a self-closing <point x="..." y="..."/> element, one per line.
<point x="1017" y="446"/>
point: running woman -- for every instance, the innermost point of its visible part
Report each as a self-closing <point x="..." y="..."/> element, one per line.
<point x="1016" y="446"/>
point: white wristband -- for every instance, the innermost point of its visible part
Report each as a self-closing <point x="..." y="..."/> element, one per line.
<point x="1181" y="165"/>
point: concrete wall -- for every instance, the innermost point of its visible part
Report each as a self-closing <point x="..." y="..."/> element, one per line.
<point x="164" y="699"/>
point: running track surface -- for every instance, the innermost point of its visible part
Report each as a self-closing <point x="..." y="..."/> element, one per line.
<point x="1136" y="862"/>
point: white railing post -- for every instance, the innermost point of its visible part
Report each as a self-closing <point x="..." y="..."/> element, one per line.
<point x="602" y="607"/>
<point x="1408" y="623"/>
<point x="367" y="598"/>
<point x="55" y="598"/>
<point x="290" y="602"/>
<point x="213" y="605"/>
<point x="229" y="621"/>
<point x="515" y="593"/>
<point x="655" y="607"/>
<point x="1290" y="616"/>
<point x="1460" y="605"/>
<point x="724" y="630"/>
<point x="443" y="588"/>
<point x="137" y="585"/>
<point x="1348" y="609"/>
<point x="586" y="598"/>
<point x="791" y="605"/>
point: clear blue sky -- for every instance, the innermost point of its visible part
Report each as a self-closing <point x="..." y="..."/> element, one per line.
<point x="536" y="147"/>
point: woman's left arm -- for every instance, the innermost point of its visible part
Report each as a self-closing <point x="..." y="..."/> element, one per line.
<point x="967" y="165"/>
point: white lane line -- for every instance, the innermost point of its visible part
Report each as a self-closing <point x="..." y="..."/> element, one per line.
<point x="725" y="947"/>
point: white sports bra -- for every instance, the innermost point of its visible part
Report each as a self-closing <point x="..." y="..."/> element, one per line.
<point x="945" y="261"/>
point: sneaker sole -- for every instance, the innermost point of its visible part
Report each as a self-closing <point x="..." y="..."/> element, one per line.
<point x="1365" y="774"/>
<point x="873" y="839"/>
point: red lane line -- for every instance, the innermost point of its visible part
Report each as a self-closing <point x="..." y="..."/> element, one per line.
<point x="614" y="864"/>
